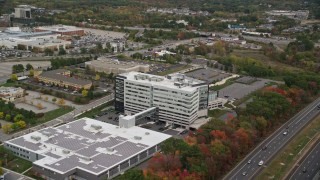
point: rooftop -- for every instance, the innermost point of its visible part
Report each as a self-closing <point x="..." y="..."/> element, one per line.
<point x="59" y="28"/>
<point x="173" y="81"/>
<point x="104" y="62"/>
<point x="87" y="144"/>
<point x="58" y="74"/>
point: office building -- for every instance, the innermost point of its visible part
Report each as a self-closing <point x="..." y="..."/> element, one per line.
<point x="180" y="100"/>
<point x="63" y="30"/>
<point x="62" y="78"/>
<point x="108" y="65"/>
<point x="23" y="12"/>
<point x="86" y="149"/>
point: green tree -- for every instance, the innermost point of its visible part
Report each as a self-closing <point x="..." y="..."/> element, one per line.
<point x="48" y="52"/>
<point x="62" y="51"/>
<point x="8" y="117"/>
<point x="18" y="117"/>
<point x="29" y="67"/>
<point x="21" y="124"/>
<point x="1" y="115"/>
<point x="31" y="73"/>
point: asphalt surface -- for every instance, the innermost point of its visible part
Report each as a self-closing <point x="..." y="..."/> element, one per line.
<point x="309" y="166"/>
<point x="274" y="143"/>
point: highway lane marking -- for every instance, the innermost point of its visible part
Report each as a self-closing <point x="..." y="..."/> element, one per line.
<point x="298" y="117"/>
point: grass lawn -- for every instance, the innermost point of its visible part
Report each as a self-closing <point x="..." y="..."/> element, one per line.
<point x="286" y="158"/>
<point x="95" y="111"/>
<point x="216" y="113"/>
<point x="14" y="163"/>
<point x="33" y="175"/>
<point x="48" y="116"/>
<point x="11" y="84"/>
<point x="174" y="70"/>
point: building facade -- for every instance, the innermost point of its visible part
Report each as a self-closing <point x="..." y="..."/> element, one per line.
<point x="180" y="100"/>
<point x="11" y="93"/>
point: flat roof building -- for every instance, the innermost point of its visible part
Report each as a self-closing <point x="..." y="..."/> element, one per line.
<point x="86" y="149"/>
<point x="108" y="65"/>
<point x="180" y="99"/>
<point x="62" y="29"/>
<point x="40" y="44"/>
<point x="62" y="78"/>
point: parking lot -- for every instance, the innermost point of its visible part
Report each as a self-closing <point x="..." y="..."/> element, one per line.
<point x="6" y="67"/>
<point x="238" y="90"/>
<point x="209" y="75"/>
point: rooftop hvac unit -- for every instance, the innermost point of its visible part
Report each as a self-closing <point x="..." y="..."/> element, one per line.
<point x="137" y="137"/>
<point x="109" y="149"/>
<point x="65" y="151"/>
<point x="147" y="133"/>
<point x="96" y="127"/>
<point x="37" y="138"/>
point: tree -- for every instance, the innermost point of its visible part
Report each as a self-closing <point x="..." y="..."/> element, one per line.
<point x="21" y="124"/>
<point x="31" y="73"/>
<point x="14" y="77"/>
<point x="62" y="51"/>
<point x="6" y="128"/>
<point x="48" y="52"/>
<point x="54" y="100"/>
<point x="8" y="117"/>
<point x="1" y="115"/>
<point x="61" y="102"/>
<point x="97" y="78"/>
<point x="84" y="93"/>
<point x="135" y="174"/>
<point x="29" y="67"/>
<point x="18" y="117"/>
<point x="188" y="60"/>
<point x="39" y="106"/>
<point x="1" y="170"/>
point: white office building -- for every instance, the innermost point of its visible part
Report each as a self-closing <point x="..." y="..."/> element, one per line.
<point x="180" y="100"/>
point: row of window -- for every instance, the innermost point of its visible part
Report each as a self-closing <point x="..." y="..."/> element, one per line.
<point x="19" y="149"/>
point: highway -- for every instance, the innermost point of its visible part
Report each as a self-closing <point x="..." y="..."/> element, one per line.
<point x="248" y="168"/>
<point x="309" y="166"/>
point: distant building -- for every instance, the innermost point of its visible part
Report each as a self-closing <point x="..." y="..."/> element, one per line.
<point x="22" y="12"/>
<point x="86" y="149"/>
<point x="11" y="93"/>
<point x="300" y="14"/>
<point x="108" y="65"/>
<point x="181" y="100"/>
<point x="62" y="78"/>
<point x="62" y="30"/>
<point x="118" y="45"/>
<point x="237" y="27"/>
<point x="41" y="44"/>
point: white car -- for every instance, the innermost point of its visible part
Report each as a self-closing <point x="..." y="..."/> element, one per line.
<point x="285" y="133"/>
<point x="260" y="163"/>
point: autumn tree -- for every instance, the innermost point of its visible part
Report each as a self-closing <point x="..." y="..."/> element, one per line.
<point x="6" y="128"/>
<point x="21" y="124"/>
<point x="39" y="106"/>
<point x="61" y="102"/>
<point x="84" y="93"/>
<point x="14" y="77"/>
<point x="97" y="78"/>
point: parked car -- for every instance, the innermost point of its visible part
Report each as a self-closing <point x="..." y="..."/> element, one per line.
<point x="260" y="163"/>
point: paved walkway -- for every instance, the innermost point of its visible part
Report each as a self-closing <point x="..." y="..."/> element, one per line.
<point x="62" y="119"/>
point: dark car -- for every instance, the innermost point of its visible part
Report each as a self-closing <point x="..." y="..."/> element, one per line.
<point x="161" y="129"/>
<point x="184" y="132"/>
<point x="264" y="148"/>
